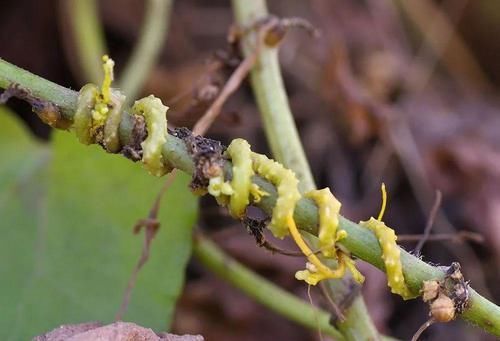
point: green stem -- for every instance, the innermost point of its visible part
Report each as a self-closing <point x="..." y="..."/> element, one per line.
<point x="147" y="50"/>
<point x="360" y="241"/>
<point x="261" y="290"/>
<point x="271" y="97"/>
<point x="286" y="146"/>
<point x="89" y="37"/>
<point x="39" y="87"/>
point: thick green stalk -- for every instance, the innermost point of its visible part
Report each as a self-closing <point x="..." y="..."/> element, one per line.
<point x="39" y="87"/>
<point x="285" y="143"/>
<point x="263" y="291"/>
<point x="88" y="35"/>
<point x="360" y="241"/>
<point x="148" y="48"/>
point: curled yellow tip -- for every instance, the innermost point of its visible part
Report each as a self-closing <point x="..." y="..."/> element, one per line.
<point x="384" y="202"/>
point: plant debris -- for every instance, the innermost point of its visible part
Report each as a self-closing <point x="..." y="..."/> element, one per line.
<point x="207" y="155"/>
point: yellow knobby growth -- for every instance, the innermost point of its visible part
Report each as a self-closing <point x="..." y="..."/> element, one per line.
<point x="98" y="115"/>
<point x="257" y="193"/>
<point x="103" y="99"/>
<point x="288" y="194"/>
<point x="240" y="152"/>
<point x="328" y="212"/>
<point x="315" y="269"/>
<point x="391" y="254"/>
<point x="237" y="192"/>
<point x="112" y="125"/>
<point x="154" y="113"/>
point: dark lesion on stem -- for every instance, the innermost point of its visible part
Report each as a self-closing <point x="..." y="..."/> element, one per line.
<point x="48" y="112"/>
<point x="207" y="155"/>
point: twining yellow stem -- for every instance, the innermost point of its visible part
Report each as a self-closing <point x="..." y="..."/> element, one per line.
<point x="97" y="121"/>
<point x="318" y="271"/>
<point x="384" y="202"/>
<point x="98" y="116"/>
<point x="237" y="195"/>
<point x="328" y="211"/>
<point x="391" y="253"/>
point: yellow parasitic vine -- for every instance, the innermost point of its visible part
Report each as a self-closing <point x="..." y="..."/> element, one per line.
<point x="97" y="120"/>
<point x="391" y="254"/>
<point x="99" y="113"/>
<point x="237" y="194"/>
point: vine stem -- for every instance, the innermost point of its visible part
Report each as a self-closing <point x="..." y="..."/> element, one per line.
<point x="148" y="48"/>
<point x="361" y="242"/>
<point x="261" y="289"/>
<point x="284" y="140"/>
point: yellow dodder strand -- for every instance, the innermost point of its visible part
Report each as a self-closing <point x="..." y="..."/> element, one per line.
<point x="328" y="212"/>
<point x="112" y="125"/>
<point x="288" y="194"/>
<point x="82" y="120"/>
<point x="316" y="271"/>
<point x="154" y="113"/>
<point x="391" y="257"/>
<point x="98" y="113"/>
<point x="384" y="202"/>
<point x="103" y="99"/>
<point x="351" y="265"/>
<point x="237" y="193"/>
<point x="239" y="151"/>
<point x="108" y="66"/>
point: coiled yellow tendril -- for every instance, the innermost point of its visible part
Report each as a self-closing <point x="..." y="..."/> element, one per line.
<point x="237" y="194"/>
<point x="99" y="113"/>
<point x="391" y="253"/>
<point x="154" y="113"/>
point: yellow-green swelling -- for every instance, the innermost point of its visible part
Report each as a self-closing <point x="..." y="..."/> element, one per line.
<point x="67" y="247"/>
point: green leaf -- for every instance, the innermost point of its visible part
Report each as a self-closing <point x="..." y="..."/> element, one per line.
<point x="66" y="244"/>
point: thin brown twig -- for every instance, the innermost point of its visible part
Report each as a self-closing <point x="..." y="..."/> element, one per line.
<point x="229" y="88"/>
<point x="422" y="328"/>
<point x="151" y="226"/>
<point x="430" y="222"/>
